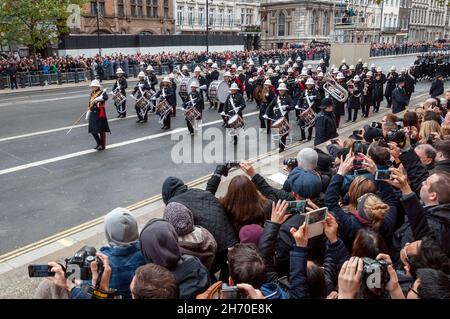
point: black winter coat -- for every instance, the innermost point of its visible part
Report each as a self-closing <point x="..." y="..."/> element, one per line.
<point x="429" y="221"/>
<point x="400" y="100"/>
<point x="274" y="111"/>
<point x="325" y="128"/>
<point x="437" y="88"/>
<point x="205" y="207"/>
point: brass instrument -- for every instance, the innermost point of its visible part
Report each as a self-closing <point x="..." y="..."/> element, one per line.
<point x="333" y="88"/>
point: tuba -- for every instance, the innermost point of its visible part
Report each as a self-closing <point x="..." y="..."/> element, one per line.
<point x="333" y="88"/>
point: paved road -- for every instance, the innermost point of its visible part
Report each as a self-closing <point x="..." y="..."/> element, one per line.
<point x="52" y="181"/>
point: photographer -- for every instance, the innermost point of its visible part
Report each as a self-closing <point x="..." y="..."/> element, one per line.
<point x="433" y="220"/>
<point x="364" y="208"/>
<point x="99" y="289"/>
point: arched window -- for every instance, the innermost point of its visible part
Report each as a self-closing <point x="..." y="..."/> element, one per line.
<point x="281" y="24"/>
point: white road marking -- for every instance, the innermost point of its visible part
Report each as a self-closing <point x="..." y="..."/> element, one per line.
<point x="66" y="128"/>
<point x="112" y="146"/>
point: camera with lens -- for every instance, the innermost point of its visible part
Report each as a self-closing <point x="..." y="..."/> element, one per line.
<point x="375" y="274"/>
<point x="397" y="136"/>
<point x="377" y="125"/>
<point x="290" y="163"/>
<point x="79" y="265"/>
<point x="231" y="292"/>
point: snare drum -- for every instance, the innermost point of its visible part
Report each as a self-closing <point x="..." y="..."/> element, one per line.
<point x="164" y="108"/>
<point x="192" y="114"/>
<point x="185" y="85"/>
<point x="119" y="98"/>
<point x="218" y="91"/>
<point x="282" y="125"/>
<point x="308" y="118"/>
<point x="236" y="122"/>
<point x="142" y="103"/>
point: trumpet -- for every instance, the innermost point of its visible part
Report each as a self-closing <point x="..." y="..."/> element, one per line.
<point x="337" y="91"/>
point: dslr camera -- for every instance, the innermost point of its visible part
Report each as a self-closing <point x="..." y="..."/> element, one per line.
<point x="79" y="265"/>
<point x="375" y="274"/>
<point x="231" y="292"/>
<point x="398" y="136"/>
<point x="290" y="163"/>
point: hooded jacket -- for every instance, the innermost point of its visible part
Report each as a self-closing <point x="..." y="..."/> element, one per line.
<point x="159" y="244"/>
<point x="206" y="209"/>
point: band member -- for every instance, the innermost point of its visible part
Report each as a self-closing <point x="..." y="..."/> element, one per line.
<point x="400" y="99"/>
<point x="339" y="106"/>
<point x="213" y="75"/>
<point x="185" y="71"/>
<point x="140" y="88"/>
<point x="229" y="81"/>
<point x="120" y="86"/>
<point x="310" y="98"/>
<point x="391" y="83"/>
<point x="354" y="98"/>
<point x="280" y="107"/>
<point x="378" y="85"/>
<point x="201" y="80"/>
<point x="410" y="83"/>
<point x="195" y="100"/>
<point x="325" y="123"/>
<point x="98" y="123"/>
<point x="174" y="89"/>
<point x="234" y="104"/>
<point x="239" y="79"/>
<point x="359" y="67"/>
<point x="320" y="84"/>
<point x="343" y="64"/>
<point x="166" y="93"/>
<point x="267" y="95"/>
<point x="367" y="94"/>
<point x="152" y="81"/>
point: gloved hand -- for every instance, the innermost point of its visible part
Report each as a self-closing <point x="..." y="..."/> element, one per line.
<point x="133" y="97"/>
<point x="99" y="99"/>
<point x="265" y="117"/>
<point x="223" y="114"/>
<point x="141" y="85"/>
<point x="222" y="170"/>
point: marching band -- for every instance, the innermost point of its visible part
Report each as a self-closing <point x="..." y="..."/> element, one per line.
<point x="276" y="88"/>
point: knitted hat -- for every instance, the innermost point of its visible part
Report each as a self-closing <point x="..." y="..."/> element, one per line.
<point x="121" y="228"/>
<point x="250" y="234"/>
<point x="180" y="217"/>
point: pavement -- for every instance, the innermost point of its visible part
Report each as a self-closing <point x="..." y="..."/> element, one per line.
<point x="55" y="188"/>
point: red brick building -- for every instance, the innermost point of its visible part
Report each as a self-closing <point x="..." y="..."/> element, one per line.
<point x="127" y="17"/>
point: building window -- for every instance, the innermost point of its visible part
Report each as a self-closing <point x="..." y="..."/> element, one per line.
<point x="166" y="8"/>
<point x="180" y="16"/>
<point x="221" y="17"/>
<point x="155" y="9"/>
<point x="139" y="9"/>
<point x="230" y="17"/>
<point x="120" y="9"/>
<point x="242" y="17"/>
<point x="326" y="24"/>
<point x="101" y="6"/>
<point x="201" y="16"/>
<point x="133" y="8"/>
<point x="281" y="24"/>
<point x="212" y="13"/>
<point x="313" y="23"/>
<point x="191" y="16"/>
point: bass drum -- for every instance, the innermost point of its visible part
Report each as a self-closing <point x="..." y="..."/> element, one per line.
<point x="218" y="91"/>
<point x="185" y="85"/>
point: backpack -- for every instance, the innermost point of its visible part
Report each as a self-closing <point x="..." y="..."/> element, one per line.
<point x="192" y="277"/>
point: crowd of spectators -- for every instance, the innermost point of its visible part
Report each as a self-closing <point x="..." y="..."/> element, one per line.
<point x="386" y="234"/>
<point x="384" y="49"/>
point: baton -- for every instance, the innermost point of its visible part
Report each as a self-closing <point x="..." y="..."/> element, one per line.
<point x="76" y="122"/>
